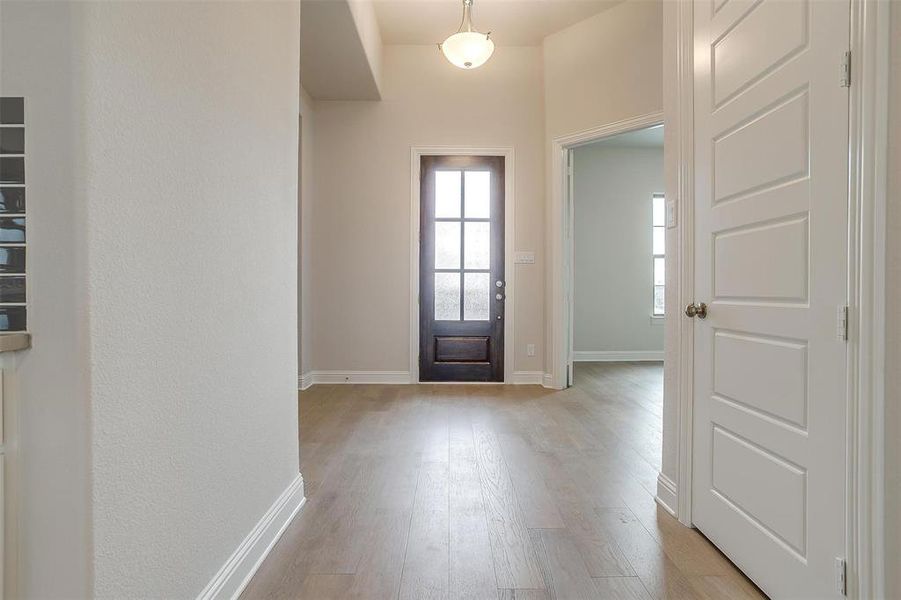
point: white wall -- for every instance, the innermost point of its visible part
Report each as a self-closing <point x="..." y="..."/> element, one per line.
<point x="613" y="289"/>
<point x="604" y="69"/>
<point x="360" y="276"/>
<point x="192" y="197"/>
<point x="158" y="406"/>
<point x="893" y="319"/>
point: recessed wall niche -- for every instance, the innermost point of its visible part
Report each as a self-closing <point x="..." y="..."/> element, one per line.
<point x="13" y="296"/>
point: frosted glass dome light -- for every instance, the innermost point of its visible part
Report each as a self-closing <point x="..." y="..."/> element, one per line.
<point x="467" y="49"/>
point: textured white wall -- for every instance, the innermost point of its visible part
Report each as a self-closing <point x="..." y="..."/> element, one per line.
<point x="191" y="182"/>
<point x="613" y="289"/>
<point x="361" y="210"/>
<point x="157" y="409"/>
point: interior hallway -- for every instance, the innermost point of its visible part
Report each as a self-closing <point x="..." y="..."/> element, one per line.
<point x="486" y="492"/>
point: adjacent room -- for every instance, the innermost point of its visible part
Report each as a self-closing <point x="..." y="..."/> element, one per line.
<point x="619" y="261"/>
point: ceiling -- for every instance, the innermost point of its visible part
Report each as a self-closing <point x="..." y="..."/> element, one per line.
<point x="511" y="22"/>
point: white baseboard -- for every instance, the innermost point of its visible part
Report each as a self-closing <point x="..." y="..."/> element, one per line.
<point x="235" y="574"/>
<point x="624" y="356"/>
<point x="388" y="377"/>
<point x="527" y="378"/>
<point x="666" y="494"/>
<point x="403" y="377"/>
<point x="548" y="382"/>
<point x="305" y="381"/>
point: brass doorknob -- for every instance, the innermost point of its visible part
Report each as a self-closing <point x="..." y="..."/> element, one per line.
<point x="696" y="310"/>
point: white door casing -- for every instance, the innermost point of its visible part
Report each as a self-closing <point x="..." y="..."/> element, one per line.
<point x="771" y="262"/>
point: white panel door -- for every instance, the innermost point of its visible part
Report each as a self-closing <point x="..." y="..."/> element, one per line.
<point x="771" y="204"/>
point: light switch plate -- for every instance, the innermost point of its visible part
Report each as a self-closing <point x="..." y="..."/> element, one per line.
<point x="525" y="258"/>
<point x="671" y="214"/>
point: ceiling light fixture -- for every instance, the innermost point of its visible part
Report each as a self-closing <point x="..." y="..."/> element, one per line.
<point x="468" y="49"/>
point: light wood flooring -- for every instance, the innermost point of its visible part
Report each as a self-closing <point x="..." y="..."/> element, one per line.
<point x="490" y="493"/>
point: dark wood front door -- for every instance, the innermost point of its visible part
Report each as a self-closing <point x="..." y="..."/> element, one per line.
<point x="461" y="268"/>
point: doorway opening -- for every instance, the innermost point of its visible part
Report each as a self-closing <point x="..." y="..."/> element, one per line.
<point x="618" y="249"/>
<point x="615" y="253"/>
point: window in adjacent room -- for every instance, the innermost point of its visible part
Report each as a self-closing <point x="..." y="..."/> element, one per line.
<point x="659" y="251"/>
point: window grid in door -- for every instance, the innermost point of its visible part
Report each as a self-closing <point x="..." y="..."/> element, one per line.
<point x="462" y="245"/>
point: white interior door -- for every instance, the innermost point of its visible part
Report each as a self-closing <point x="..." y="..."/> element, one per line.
<point x="771" y="152"/>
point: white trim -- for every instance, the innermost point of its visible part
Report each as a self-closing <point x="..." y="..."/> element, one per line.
<point x="416" y="153"/>
<point x="527" y="378"/>
<point x="682" y="342"/>
<point x="869" y="96"/>
<point x="548" y="381"/>
<point x="305" y="381"/>
<point x="240" y="567"/>
<point x="403" y="378"/>
<point x="666" y="493"/>
<point x="620" y="356"/>
<point x="357" y="377"/>
<point x="559" y="237"/>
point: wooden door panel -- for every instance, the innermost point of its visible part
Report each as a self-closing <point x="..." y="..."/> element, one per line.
<point x="462" y="349"/>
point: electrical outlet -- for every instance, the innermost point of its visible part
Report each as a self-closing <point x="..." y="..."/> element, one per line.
<point x="530" y="349"/>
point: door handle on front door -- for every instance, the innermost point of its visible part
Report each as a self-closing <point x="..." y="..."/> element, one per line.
<point x="696" y="310"/>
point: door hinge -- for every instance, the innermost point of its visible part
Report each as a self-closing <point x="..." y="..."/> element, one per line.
<point x="841" y="576"/>
<point x="841" y="324"/>
<point x="846" y="69"/>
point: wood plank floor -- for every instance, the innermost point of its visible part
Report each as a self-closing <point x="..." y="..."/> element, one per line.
<point x="490" y="492"/>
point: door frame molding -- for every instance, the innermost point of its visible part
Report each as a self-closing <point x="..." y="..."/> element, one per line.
<point x="680" y="126"/>
<point x="416" y="153"/>
<point x="868" y="148"/>
<point x="559" y="236"/>
<point x="868" y="107"/>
